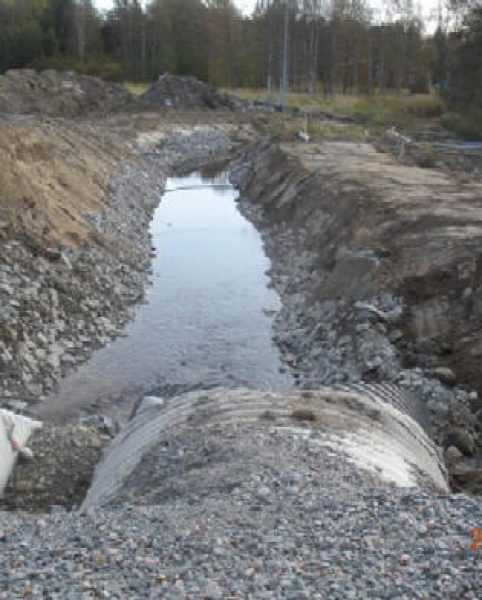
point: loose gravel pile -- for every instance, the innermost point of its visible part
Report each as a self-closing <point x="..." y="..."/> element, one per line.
<point x="296" y="522"/>
<point x="172" y="91"/>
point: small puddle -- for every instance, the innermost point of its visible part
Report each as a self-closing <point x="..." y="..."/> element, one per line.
<point x="207" y="319"/>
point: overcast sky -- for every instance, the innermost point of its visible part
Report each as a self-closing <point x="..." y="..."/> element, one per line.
<point x="428" y="6"/>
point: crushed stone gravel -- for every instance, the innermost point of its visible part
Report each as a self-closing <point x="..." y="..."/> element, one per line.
<point x="303" y="523"/>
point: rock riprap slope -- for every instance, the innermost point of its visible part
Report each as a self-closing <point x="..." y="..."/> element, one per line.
<point x="76" y="258"/>
<point x="378" y="268"/>
<point x="237" y="494"/>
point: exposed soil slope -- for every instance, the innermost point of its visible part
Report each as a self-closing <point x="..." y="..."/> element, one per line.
<point x="53" y="175"/>
<point x="426" y="228"/>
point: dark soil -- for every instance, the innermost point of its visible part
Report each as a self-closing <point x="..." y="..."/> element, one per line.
<point x="60" y="472"/>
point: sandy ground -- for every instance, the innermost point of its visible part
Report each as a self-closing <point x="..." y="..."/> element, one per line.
<point x="56" y="171"/>
<point x="52" y="174"/>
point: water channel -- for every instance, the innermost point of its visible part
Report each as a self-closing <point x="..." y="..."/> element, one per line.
<point x="207" y="318"/>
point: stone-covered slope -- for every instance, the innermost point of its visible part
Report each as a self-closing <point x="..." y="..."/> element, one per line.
<point x="69" y="290"/>
<point x="377" y="265"/>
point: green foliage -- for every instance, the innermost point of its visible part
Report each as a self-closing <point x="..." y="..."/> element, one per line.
<point x="426" y="156"/>
<point x="464" y="94"/>
<point x="329" y="52"/>
<point x="371" y="116"/>
<point x="24" y="35"/>
<point x="405" y="112"/>
<point x="101" y="66"/>
<point x="467" y="124"/>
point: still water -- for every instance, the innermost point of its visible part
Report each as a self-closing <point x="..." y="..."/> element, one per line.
<point x="207" y="318"/>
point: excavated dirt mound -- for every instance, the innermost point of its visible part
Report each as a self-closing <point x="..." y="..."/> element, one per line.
<point x="59" y="94"/>
<point x="171" y="91"/>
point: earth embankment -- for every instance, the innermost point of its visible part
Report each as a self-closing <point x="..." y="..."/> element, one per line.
<point x="378" y="267"/>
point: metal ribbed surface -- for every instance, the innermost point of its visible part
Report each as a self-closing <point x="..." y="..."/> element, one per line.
<point x="379" y="413"/>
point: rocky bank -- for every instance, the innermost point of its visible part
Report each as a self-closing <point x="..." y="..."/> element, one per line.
<point x="348" y="312"/>
<point x="58" y="304"/>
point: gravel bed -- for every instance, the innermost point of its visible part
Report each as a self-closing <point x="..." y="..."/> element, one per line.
<point x="296" y="522"/>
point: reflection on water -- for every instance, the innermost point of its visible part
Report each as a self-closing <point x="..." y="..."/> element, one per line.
<point x="206" y="320"/>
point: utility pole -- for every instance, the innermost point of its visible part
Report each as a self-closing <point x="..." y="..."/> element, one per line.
<point x="143" y="42"/>
<point x="284" y="75"/>
<point x="269" y="65"/>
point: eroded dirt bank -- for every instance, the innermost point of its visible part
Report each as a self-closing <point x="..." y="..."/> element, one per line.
<point x="378" y="266"/>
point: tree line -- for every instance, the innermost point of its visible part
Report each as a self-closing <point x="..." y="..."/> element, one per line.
<point x="308" y="45"/>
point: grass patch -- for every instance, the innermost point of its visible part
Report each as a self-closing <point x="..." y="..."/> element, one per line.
<point x="467" y="125"/>
<point x="427" y="156"/>
<point x="137" y="89"/>
<point x="407" y="112"/>
<point x="286" y="129"/>
<point x="101" y="66"/>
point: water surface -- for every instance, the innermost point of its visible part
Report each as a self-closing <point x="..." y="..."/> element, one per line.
<point x="208" y="314"/>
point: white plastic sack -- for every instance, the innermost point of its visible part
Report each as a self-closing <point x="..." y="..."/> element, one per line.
<point x="15" y="431"/>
